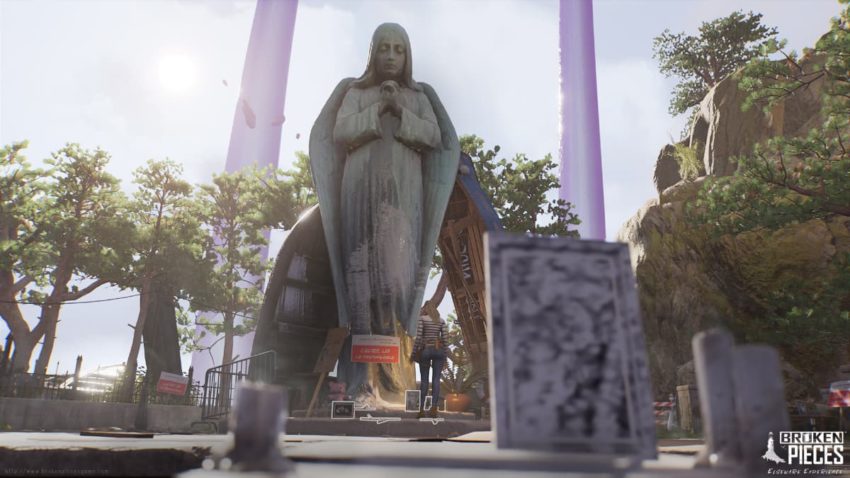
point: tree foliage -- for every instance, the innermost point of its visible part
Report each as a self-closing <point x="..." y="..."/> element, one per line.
<point x="166" y="242"/>
<point x="237" y="209"/>
<point x="50" y="219"/>
<point x="83" y="237"/>
<point x="522" y="190"/>
<point x="699" y="62"/>
<point x="791" y="179"/>
<point x="22" y="188"/>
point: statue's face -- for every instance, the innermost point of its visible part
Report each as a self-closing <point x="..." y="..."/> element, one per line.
<point x="391" y="56"/>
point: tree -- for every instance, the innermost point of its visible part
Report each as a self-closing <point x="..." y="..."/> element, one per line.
<point x="22" y="187"/>
<point x="237" y="210"/>
<point x="82" y="236"/>
<point x="300" y="180"/>
<point x="229" y="210"/>
<point x="167" y="243"/>
<point x="520" y="190"/>
<point x="700" y="62"/>
<point x="522" y="193"/>
<point x="788" y="181"/>
<point x="791" y="179"/>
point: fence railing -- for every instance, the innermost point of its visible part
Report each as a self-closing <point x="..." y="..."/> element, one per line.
<point x="65" y="387"/>
<point x="220" y="382"/>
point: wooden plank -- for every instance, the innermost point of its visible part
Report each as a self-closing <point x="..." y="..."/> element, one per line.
<point x="315" y="394"/>
<point x="334" y="341"/>
<point x="461" y="224"/>
<point x="92" y="432"/>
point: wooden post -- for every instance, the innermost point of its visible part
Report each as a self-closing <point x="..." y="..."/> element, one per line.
<point x="77" y="369"/>
<point x="759" y="400"/>
<point x="188" y="394"/>
<point x="7" y="349"/>
<point x="689" y="414"/>
<point x="315" y="394"/>
<point x="141" y="423"/>
<point x="334" y="340"/>
<point x="713" y="365"/>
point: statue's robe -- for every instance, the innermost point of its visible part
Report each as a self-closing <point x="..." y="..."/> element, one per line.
<point x="383" y="184"/>
<point x="382" y="209"/>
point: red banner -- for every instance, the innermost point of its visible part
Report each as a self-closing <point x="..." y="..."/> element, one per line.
<point x="172" y="383"/>
<point x="839" y="394"/>
<point x="375" y="349"/>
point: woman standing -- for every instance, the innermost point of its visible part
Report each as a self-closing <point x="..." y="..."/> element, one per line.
<point x="430" y="351"/>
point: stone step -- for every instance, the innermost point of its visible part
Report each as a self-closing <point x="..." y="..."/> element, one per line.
<point x="325" y="412"/>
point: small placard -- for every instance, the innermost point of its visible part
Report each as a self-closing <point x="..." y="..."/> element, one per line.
<point x="839" y="394"/>
<point x="171" y="383"/>
<point x="411" y="400"/>
<point x="342" y="410"/>
<point x="375" y="349"/>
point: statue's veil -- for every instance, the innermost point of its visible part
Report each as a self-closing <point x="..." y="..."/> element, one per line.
<point x="439" y="168"/>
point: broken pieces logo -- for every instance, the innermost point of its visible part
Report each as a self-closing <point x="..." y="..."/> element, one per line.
<point x="807" y="448"/>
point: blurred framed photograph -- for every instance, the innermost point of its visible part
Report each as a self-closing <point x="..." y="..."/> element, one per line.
<point x="342" y="410"/>
<point x="411" y="400"/>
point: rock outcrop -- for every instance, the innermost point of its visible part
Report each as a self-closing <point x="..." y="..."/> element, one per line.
<point x="689" y="282"/>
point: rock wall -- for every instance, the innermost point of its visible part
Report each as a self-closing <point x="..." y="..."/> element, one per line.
<point x="689" y="282"/>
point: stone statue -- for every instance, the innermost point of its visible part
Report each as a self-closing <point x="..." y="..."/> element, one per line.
<point x="384" y="156"/>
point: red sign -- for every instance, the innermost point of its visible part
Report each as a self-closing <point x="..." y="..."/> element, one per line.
<point x="172" y="383"/>
<point x="839" y="394"/>
<point x="375" y="349"/>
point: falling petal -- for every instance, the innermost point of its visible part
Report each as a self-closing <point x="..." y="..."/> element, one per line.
<point x="297" y="135"/>
<point x="224" y="82"/>
<point x="250" y="117"/>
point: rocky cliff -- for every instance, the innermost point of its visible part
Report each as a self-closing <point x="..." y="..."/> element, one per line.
<point x="689" y="281"/>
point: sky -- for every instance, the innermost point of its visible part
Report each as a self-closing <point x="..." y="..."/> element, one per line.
<point x="156" y="79"/>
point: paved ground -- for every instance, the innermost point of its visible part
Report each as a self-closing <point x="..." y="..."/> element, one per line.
<point x="468" y="456"/>
<point x="471" y="455"/>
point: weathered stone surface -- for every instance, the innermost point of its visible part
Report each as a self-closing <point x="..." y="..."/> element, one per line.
<point x="723" y="130"/>
<point x="666" y="169"/>
<point x="731" y="132"/>
<point x="689" y="283"/>
<point x="682" y="191"/>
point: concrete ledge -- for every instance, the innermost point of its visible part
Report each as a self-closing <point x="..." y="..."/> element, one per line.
<point x="71" y="415"/>
<point x="409" y="428"/>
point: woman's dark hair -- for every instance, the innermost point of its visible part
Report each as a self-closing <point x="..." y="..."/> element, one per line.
<point x="370" y="76"/>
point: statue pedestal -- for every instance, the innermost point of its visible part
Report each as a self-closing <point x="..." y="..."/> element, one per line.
<point x="396" y="423"/>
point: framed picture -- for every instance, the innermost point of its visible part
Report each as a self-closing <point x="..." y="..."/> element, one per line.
<point x="342" y="410"/>
<point x="411" y="400"/>
<point x="568" y="364"/>
<point x="441" y="405"/>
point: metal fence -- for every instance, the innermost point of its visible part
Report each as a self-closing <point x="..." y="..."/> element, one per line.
<point x="67" y="387"/>
<point x="220" y="382"/>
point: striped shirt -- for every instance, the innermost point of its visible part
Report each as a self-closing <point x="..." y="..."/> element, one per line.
<point x="427" y="333"/>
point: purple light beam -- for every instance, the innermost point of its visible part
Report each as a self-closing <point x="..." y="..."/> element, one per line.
<point x="581" y="158"/>
<point x="258" y="120"/>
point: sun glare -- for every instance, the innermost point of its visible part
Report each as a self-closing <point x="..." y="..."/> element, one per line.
<point x="177" y="72"/>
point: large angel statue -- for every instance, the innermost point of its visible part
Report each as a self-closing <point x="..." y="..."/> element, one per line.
<point x="384" y="156"/>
